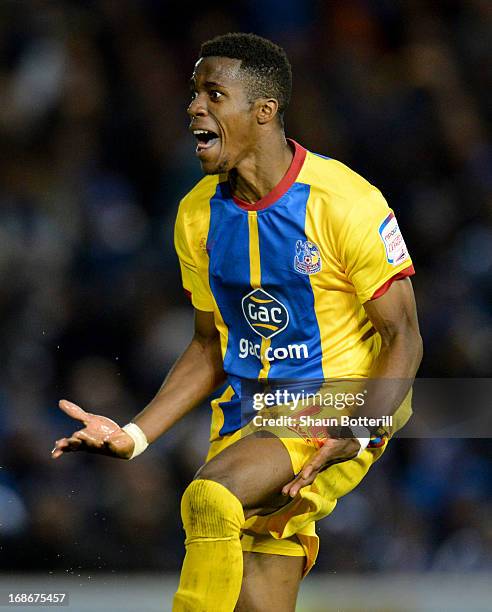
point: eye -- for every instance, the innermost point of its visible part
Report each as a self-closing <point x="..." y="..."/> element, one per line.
<point x="193" y="95"/>
<point x="215" y="95"/>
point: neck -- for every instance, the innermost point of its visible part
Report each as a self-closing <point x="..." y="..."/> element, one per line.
<point x="262" y="169"/>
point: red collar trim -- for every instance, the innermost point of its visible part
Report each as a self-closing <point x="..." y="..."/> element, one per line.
<point x="285" y="184"/>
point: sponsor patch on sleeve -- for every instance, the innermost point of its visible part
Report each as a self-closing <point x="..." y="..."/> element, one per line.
<point x="395" y="247"/>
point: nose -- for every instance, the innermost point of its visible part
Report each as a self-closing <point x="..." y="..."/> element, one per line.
<point x="197" y="108"/>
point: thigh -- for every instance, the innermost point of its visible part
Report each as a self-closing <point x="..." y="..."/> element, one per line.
<point x="270" y="582"/>
<point x="255" y="469"/>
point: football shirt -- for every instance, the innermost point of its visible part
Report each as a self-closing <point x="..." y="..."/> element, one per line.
<point x="287" y="277"/>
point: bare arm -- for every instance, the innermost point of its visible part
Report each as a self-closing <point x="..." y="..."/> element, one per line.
<point x="194" y="376"/>
<point x="394" y="316"/>
<point x="197" y="373"/>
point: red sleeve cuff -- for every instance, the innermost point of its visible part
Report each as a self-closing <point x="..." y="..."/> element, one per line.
<point x="187" y="293"/>
<point x="410" y="271"/>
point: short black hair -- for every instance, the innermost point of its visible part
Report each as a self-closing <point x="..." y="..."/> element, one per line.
<point x="268" y="70"/>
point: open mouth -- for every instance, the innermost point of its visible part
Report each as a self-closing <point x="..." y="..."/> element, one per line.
<point x="206" y="139"/>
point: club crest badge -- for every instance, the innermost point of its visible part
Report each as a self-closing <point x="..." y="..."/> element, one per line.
<point x="307" y="259"/>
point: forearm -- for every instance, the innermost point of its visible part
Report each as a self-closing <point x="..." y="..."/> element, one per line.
<point x="196" y="374"/>
<point x="392" y="375"/>
<point x="390" y="381"/>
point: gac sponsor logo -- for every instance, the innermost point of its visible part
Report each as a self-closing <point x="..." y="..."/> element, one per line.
<point x="265" y="315"/>
<point x="291" y="351"/>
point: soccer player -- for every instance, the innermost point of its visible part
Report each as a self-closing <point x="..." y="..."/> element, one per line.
<point x="297" y="270"/>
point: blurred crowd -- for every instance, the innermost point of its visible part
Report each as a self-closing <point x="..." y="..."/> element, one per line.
<point x="94" y="157"/>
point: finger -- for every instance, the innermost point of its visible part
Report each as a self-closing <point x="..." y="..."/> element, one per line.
<point x="320" y="459"/>
<point x="293" y="488"/>
<point x="74" y="411"/>
<point x="315" y="464"/>
<point x="305" y="477"/>
<point x="307" y="470"/>
<point x="298" y="485"/>
<point x="287" y="488"/>
<point x="295" y="485"/>
<point x="58" y="448"/>
<point x="65" y="445"/>
<point x="60" y="444"/>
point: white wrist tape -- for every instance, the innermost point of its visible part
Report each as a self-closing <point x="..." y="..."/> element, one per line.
<point x="138" y="437"/>
<point x="363" y="435"/>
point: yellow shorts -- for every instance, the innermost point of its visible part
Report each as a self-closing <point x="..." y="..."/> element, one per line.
<point x="291" y="530"/>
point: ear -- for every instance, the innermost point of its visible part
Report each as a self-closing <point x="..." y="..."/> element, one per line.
<point x="267" y="108"/>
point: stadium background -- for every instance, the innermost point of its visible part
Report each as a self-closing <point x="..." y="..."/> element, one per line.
<point x="94" y="156"/>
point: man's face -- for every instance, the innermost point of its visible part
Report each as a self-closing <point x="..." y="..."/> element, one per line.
<point x="222" y="119"/>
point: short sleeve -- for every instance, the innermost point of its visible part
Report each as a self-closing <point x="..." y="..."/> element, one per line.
<point x="195" y="281"/>
<point x="372" y="247"/>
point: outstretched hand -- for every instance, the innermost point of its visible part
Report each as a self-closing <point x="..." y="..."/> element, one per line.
<point x="100" y="435"/>
<point x="334" y="450"/>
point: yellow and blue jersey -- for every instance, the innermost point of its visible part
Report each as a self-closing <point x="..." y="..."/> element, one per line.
<point x="287" y="277"/>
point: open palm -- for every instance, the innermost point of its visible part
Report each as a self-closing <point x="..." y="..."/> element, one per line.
<point x="100" y="435"/>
